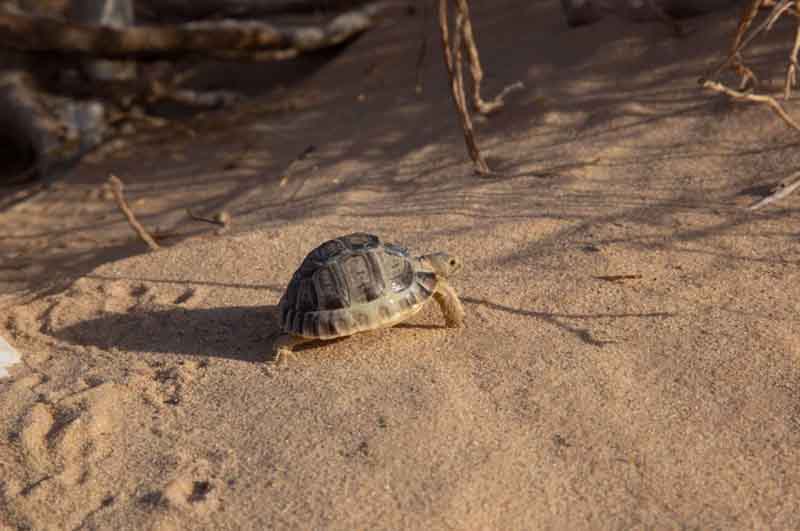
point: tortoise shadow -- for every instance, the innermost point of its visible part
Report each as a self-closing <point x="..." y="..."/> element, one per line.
<point x="241" y="333"/>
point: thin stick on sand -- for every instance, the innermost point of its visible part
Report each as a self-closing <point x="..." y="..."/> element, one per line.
<point x="423" y="49"/>
<point x="481" y="105"/>
<point x="755" y="98"/>
<point x="117" y="189"/>
<point x="452" y="59"/>
<point x="791" y="71"/>
<point x="221" y="219"/>
<point x="786" y="187"/>
<point x="293" y="164"/>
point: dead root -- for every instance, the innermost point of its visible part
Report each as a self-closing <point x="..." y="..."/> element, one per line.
<point x="783" y="189"/>
<point x="117" y="189"/>
<point x="464" y="40"/>
<point x="771" y="102"/>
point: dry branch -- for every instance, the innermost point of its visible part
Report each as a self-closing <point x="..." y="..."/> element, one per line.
<point x="791" y="71"/>
<point x="786" y="187"/>
<point x="293" y="164"/>
<point x="423" y="49"/>
<point x="481" y="105"/>
<point x="755" y="98"/>
<point x="452" y="59"/>
<point x="220" y="38"/>
<point x="117" y="189"/>
<point x="740" y="42"/>
<point x="221" y="219"/>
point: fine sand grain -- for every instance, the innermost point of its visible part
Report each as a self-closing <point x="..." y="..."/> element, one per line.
<point x="631" y="354"/>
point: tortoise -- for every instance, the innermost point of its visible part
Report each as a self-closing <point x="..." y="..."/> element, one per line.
<point x="356" y="283"/>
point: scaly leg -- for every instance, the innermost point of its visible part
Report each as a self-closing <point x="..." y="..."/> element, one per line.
<point x="282" y="346"/>
<point x="450" y="304"/>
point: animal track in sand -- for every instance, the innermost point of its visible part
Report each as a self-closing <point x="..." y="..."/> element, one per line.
<point x="188" y="493"/>
<point x="61" y="440"/>
<point x="195" y="488"/>
<point x="65" y="442"/>
<point x="171" y="380"/>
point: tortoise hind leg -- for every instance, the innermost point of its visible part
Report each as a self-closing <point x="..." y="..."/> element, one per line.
<point x="282" y="346"/>
<point x="450" y="304"/>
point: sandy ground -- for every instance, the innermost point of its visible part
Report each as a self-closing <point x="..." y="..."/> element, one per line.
<point x="572" y="399"/>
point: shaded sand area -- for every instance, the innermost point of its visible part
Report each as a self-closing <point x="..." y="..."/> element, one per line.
<point x="630" y="359"/>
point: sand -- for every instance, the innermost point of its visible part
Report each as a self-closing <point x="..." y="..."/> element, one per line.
<point x="630" y="359"/>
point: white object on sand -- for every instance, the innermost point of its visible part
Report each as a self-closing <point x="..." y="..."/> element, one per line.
<point x="8" y="357"/>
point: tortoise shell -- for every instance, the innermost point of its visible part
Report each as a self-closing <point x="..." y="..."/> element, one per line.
<point x="352" y="284"/>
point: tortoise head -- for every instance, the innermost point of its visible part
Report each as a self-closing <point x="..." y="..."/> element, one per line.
<point x="443" y="264"/>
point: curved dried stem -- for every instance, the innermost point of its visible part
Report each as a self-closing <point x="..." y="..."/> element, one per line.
<point x="452" y="59"/>
<point x="791" y="70"/>
<point x="755" y="98"/>
<point x="481" y="105"/>
<point x="119" y="196"/>
<point x="784" y="188"/>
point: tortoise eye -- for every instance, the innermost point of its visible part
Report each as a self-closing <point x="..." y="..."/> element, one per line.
<point x="452" y="262"/>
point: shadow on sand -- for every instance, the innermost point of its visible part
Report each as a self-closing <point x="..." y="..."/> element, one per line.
<point x="242" y="333"/>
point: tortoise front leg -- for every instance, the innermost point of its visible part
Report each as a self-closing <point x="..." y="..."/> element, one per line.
<point x="282" y="346"/>
<point x="450" y="304"/>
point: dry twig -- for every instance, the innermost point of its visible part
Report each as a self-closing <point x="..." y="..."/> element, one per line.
<point x="423" y="49"/>
<point x="292" y="165"/>
<point x="791" y="71"/>
<point x="784" y="188"/>
<point x="117" y="189"/>
<point x="221" y="219"/>
<point x="756" y="98"/>
<point x="740" y="42"/>
<point x="452" y="59"/>
<point x="481" y="105"/>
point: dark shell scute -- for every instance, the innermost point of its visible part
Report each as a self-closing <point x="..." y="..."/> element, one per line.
<point x="399" y="273"/>
<point x="396" y="250"/>
<point x="311" y="324"/>
<point x="306" y="296"/>
<point x="319" y="257"/>
<point x="327" y="250"/>
<point x="363" y="278"/>
<point x="332" y="294"/>
<point x="360" y="241"/>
